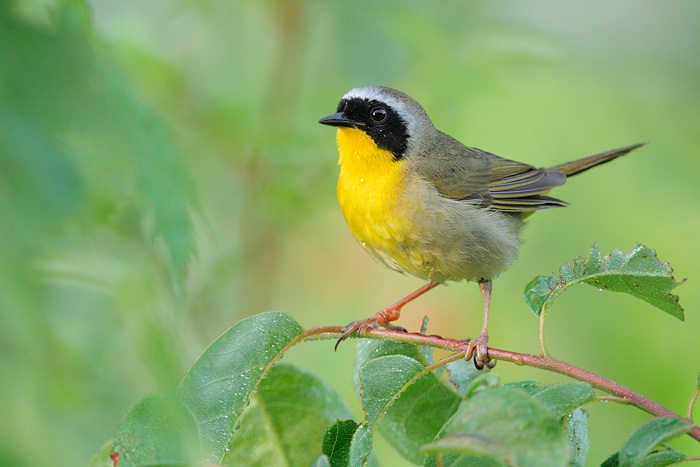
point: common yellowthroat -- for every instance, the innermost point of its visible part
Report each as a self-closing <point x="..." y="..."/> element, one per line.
<point x="421" y="202"/>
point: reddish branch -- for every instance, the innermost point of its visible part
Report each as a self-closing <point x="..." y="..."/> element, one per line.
<point x="545" y="363"/>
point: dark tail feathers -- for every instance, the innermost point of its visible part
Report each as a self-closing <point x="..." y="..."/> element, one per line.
<point x="580" y="165"/>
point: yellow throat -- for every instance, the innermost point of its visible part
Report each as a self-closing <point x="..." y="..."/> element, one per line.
<point x="369" y="187"/>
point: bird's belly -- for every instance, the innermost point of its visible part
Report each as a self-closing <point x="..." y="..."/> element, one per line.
<point x="411" y="228"/>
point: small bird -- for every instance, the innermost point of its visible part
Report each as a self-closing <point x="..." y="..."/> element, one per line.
<point x="421" y="202"/>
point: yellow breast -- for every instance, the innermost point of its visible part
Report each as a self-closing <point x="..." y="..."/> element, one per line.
<point x="369" y="187"/>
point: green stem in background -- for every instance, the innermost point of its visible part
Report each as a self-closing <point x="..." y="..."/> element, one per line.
<point x="540" y="332"/>
<point x="691" y="405"/>
<point x="259" y="230"/>
<point x="544" y="362"/>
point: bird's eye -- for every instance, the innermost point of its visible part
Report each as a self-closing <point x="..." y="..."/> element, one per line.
<point x="378" y="114"/>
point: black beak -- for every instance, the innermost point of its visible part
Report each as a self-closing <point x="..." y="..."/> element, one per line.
<point x="337" y="119"/>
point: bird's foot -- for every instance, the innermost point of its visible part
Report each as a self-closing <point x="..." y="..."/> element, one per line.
<point x="383" y="319"/>
<point x="478" y="349"/>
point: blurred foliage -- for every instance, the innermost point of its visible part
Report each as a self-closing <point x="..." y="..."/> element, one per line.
<point x="162" y="176"/>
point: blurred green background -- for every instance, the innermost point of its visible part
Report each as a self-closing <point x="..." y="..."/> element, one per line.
<point x="162" y="176"/>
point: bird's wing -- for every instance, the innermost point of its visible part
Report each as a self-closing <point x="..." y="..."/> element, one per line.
<point x="506" y="185"/>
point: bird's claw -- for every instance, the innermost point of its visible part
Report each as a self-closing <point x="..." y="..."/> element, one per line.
<point x="478" y="349"/>
<point x="358" y="326"/>
<point x="373" y="322"/>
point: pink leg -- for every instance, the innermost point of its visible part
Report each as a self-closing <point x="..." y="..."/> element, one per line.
<point x="384" y="317"/>
<point x="478" y="347"/>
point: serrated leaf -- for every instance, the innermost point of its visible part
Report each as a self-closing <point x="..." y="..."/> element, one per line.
<point x="285" y="423"/>
<point x="562" y="398"/>
<point x="638" y="273"/>
<point x="218" y="386"/>
<point x="576" y="433"/>
<point x="157" y="430"/>
<point x="508" y="425"/>
<point x="412" y="409"/>
<point x="337" y="441"/>
<point x="652" y="433"/>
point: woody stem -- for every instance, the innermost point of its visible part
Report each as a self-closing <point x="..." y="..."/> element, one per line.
<point x="543" y="362"/>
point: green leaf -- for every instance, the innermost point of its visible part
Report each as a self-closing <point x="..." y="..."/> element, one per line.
<point x="458" y="460"/>
<point x="562" y="398"/>
<point x="361" y="447"/>
<point x="157" y="430"/>
<point x="322" y="461"/>
<point x="529" y="386"/>
<point x="638" y="273"/>
<point x="367" y="349"/>
<point x="218" y="386"/>
<point x="485" y="380"/>
<point x="348" y="444"/>
<point x="612" y="461"/>
<point x="454" y="460"/>
<point x="508" y="425"/>
<point x="576" y="432"/>
<point x="102" y="457"/>
<point x="652" y="433"/>
<point x="465" y="378"/>
<point x="540" y="291"/>
<point x="409" y="409"/>
<point x="382" y="381"/>
<point x="336" y="442"/>
<point x="564" y="401"/>
<point x="660" y="458"/>
<point x="285" y="423"/>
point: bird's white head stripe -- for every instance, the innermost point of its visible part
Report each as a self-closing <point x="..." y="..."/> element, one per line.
<point x="378" y="94"/>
